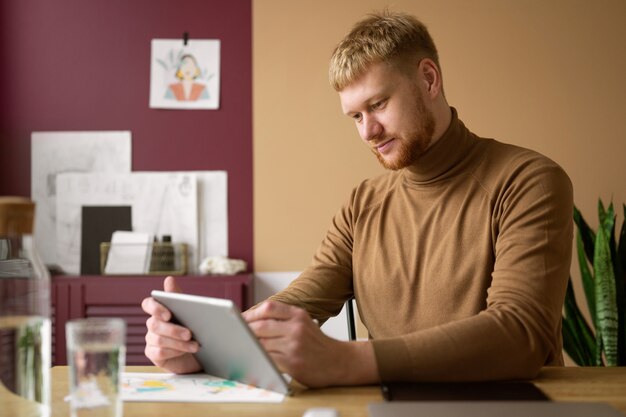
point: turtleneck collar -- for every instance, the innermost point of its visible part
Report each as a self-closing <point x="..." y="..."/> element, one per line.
<point x="445" y="158"/>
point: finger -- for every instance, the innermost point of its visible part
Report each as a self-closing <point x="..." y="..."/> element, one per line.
<point x="167" y="329"/>
<point x="275" y="345"/>
<point x="269" y="328"/>
<point x="160" y="355"/>
<point x="163" y="342"/>
<point x="270" y="310"/>
<point x="170" y="285"/>
<point x="154" y="308"/>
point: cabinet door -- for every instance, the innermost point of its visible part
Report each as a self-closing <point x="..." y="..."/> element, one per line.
<point x="122" y="297"/>
<point x="59" y="314"/>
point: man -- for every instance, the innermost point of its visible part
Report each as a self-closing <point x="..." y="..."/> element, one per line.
<point x="458" y="257"/>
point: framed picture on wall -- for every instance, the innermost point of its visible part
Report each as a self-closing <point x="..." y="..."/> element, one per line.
<point x="185" y="74"/>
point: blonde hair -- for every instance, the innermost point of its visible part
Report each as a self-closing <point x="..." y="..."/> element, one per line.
<point x="380" y="37"/>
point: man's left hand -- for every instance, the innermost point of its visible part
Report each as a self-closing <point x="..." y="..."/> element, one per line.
<point x="298" y="346"/>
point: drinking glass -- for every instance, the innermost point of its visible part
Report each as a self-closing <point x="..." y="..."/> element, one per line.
<point x="96" y="354"/>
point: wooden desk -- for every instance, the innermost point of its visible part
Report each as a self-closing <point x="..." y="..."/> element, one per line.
<point x="589" y="384"/>
<point x="561" y="384"/>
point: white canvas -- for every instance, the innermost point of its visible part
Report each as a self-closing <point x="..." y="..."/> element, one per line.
<point x="185" y="76"/>
<point x="54" y="153"/>
<point x="162" y="204"/>
<point x="212" y="213"/>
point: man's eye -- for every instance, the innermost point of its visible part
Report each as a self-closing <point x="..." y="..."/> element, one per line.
<point x="378" y="105"/>
<point x="356" y="117"/>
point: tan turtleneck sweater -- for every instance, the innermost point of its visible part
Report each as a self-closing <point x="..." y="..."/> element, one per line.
<point x="459" y="266"/>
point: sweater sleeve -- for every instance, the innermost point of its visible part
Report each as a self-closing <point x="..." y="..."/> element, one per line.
<point x="520" y="329"/>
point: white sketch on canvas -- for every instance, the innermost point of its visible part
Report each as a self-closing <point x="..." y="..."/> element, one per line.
<point x="185" y="76"/>
<point x="212" y="213"/>
<point x="213" y="216"/>
<point x="162" y="204"/>
<point x="53" y="153"/>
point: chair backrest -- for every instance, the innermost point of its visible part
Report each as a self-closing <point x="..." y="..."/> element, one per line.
<point x="350" y="318"/>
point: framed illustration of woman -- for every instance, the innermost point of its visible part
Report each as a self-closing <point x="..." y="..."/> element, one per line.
<point x="185" y="76"/>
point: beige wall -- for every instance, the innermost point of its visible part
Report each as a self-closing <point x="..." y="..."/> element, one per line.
<point x="548" y="75"/>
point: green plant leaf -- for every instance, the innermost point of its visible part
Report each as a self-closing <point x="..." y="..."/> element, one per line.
<point x="621" y="248"/>
<point x="610" y="219"/>
<point x="587" y="234"/>
<point x="619" y="264"/>
<point x="580" y="332"/>
<point x="598" y="361"/>
<point x="587" y="278"/>
<point x="601" y="211"/>
<point x="607" y="220"/>
<point x="162" y="63"/>
<point x="571" y="342"/>
<point x="609" y="225"/>
<point x="606" y="306"/>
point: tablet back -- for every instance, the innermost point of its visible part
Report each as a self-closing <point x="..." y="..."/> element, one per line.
<point x="228" y="348"/>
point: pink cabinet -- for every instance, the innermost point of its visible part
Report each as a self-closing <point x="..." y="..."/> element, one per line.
<point x="107" y="296"/>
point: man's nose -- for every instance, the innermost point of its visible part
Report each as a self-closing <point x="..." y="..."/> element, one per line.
<point x="371" y="129"/>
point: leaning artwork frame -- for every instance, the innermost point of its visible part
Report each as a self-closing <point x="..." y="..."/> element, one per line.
<point x="185" y="75"/>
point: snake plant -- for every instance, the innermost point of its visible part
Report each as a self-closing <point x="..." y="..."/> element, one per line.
<point x="602" y="264"/>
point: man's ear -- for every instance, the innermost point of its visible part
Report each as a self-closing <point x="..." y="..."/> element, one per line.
<point x="431" y="77"/>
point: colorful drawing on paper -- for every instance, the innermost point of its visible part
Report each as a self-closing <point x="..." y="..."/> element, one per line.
<point x="185" y="76"/>
<point x="191" y="80"/>
<point x="152" y="387"/>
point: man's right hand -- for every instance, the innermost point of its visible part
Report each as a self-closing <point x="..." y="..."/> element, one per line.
<point x="169" y="346"/>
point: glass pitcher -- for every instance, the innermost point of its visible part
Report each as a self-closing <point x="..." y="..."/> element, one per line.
<point x="24" y="314"/>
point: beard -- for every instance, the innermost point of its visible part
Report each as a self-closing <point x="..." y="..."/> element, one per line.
<point x="414" y="143"/>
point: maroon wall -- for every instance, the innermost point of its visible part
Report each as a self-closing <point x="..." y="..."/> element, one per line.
<point x="85" y="65"/>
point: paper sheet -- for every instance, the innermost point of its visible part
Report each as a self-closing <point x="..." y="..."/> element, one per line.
<point x="129" y="253"/>
<point x="160" y="387"/>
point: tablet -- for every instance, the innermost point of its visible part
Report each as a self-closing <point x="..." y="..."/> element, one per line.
<point x="228" y="348"/>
